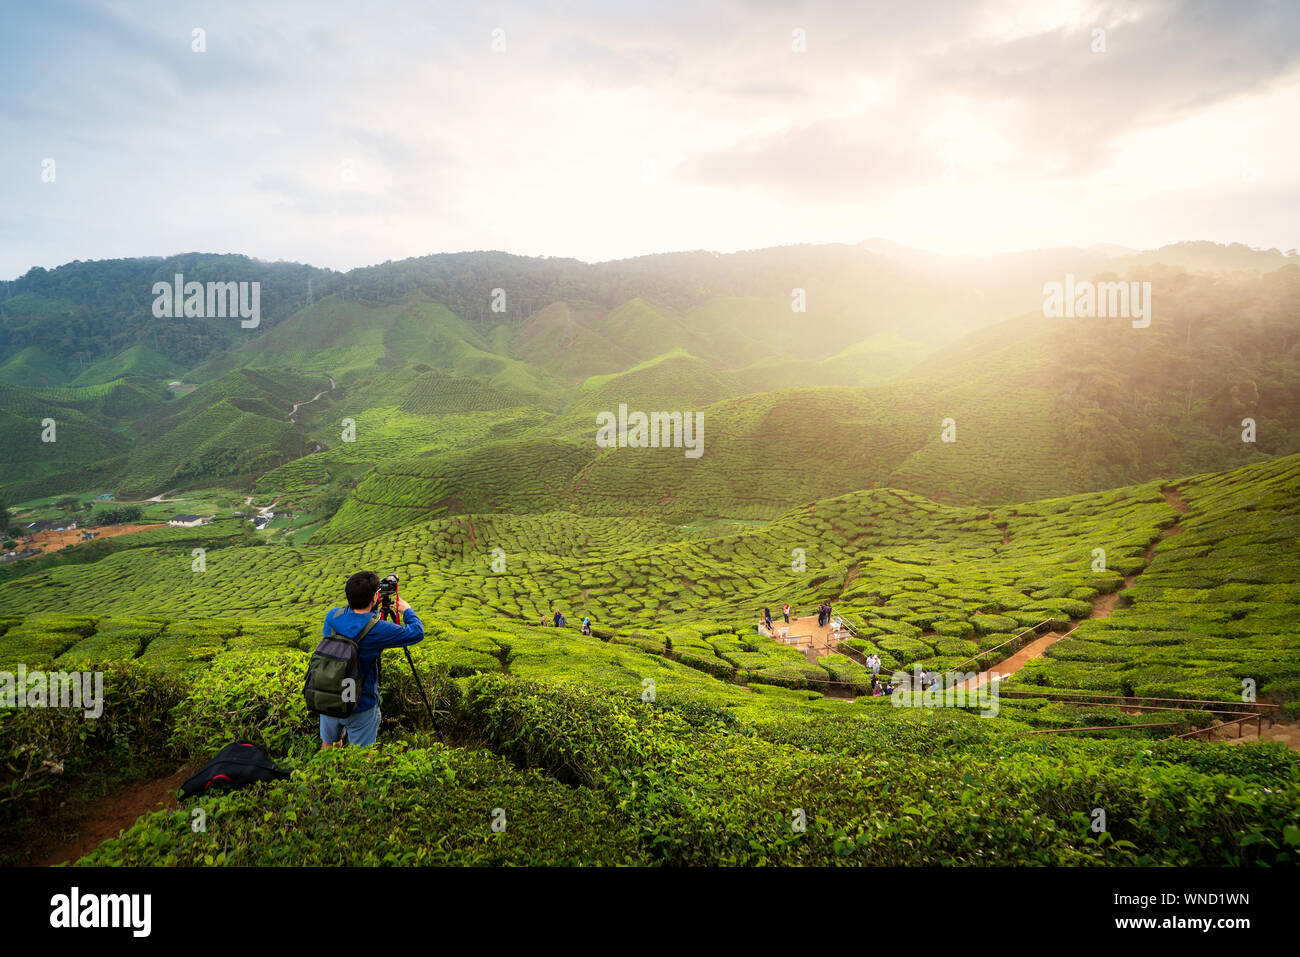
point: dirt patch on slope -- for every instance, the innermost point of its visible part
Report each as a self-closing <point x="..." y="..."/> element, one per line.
<point x="52" y="541"/>
<point x="108" y="816"/>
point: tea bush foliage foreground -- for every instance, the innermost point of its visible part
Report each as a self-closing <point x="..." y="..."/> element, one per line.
<point x="571" y="774"/>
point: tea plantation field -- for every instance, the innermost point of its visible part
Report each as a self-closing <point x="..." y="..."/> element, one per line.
<point x="677" y="733"/>
<point x="921" y="583"/>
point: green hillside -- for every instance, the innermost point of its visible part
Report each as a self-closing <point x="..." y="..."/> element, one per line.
<point x="138" y="361"/>
<point x="674" y="380"/>
<point x="1038" y="407"/>
<point x="56" y="324"/>
<point x="1105" y="510"/>
<point x="562" y="339"/>
<point x="33" y="365"/>
<point x="235" y="426"/>
<point x="93" y="427"/>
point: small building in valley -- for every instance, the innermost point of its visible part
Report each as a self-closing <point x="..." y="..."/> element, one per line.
<point x="188" y="521"/>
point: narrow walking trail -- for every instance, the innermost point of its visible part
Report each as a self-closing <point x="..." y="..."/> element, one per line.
<point x="1102" y="606"/>
<point x="107" y="816"/>
<point x="298" y="405"/>
<point x="1288" y="734"/>
<point x="262" y="510"/>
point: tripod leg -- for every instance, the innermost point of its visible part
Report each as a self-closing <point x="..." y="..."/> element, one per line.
<point x="416" y="675"/>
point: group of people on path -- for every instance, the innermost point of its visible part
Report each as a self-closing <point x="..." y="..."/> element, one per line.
<point x="824" y="614"/>
<point x="879" y="689"/>
<point x="559" y="621"/>
<point x="824" y="617"/>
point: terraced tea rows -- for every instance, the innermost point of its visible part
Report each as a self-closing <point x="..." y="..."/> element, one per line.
<point x="1214" y="614"/>
<point x="922" y="584"/>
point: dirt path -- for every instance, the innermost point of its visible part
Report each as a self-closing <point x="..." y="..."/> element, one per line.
<point x="818" y="641"/>
<point x="1009" y="666"/>
<point x="110" y="815"/>
<point x="1288" y="734"/>
<point x="298" y="405"/>
<point x="261" y="509"/>
<point x="1102" y="605"/>
<point x="1175" y="500"/>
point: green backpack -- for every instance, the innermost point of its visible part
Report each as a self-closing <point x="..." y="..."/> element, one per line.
<point x="333" y="686"/>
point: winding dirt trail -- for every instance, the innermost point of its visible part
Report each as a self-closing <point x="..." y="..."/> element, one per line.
<point x="1003" y="527"/>
<point x="261" y="509"/>
<point x="298" y="405"/>
<point x="1009" y="666"/>
<point x="1102" y="605"/>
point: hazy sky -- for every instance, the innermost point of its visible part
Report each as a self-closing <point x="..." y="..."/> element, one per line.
<point x="343" y="134"/>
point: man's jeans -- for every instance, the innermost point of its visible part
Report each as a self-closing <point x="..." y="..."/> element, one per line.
<point x="363" y="727"/>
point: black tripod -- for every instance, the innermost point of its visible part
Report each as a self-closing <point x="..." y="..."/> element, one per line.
<point x="387" y="612"/>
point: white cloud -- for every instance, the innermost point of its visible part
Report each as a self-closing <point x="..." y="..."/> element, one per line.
<point x="955" y="127"/>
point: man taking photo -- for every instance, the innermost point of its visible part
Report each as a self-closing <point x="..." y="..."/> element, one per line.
<point x="359" y="622"/>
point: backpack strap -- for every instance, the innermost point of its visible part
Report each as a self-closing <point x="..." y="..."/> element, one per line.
<point x="374" y="620"/>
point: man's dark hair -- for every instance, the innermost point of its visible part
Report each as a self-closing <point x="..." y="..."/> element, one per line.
<point x="361" y="589"/>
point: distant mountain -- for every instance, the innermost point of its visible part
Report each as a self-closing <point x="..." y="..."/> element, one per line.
<point x="1012" y="283"/>
<point x="94" y="321"/>
<point x="478" y="408"/>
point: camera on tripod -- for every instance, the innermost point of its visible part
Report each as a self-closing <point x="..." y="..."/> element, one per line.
<point x="387" y="590"/>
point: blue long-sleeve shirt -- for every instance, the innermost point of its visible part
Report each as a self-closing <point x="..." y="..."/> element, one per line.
<point x="385" y="634"/>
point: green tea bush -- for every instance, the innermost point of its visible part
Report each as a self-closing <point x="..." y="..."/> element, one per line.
<point x="992" y="624"/>
<point x="115" y="639"/>
<point x="187" y="645"/>
<point x="254" y="695"/>
<point x="41" y="638"/>
<point x="579" y="735"/>
<point x="427" y="806"/>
